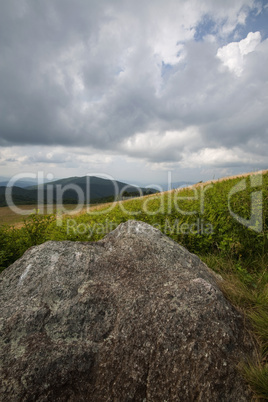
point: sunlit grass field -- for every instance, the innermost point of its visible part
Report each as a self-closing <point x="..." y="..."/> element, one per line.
<point x="224" y="222"/>
<point x="10" y="217"/>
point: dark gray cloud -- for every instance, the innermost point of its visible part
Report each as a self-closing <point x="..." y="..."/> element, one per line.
<point x="130" y="78"/>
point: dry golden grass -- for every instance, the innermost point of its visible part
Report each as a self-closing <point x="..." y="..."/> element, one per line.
<point x="233" y="177"/>
<point x="9" y="217"/>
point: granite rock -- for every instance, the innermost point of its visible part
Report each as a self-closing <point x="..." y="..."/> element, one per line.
<point x="133" y="317"/>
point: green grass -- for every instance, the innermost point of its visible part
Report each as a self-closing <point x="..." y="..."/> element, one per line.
<point x="249" y="293"/>
<point x="208" y="219"/>
<point x="10" y="217"/>
<point x="256" y="375"/>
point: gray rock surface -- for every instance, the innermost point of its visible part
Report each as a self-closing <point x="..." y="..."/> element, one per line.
<point x="134" y="317"/>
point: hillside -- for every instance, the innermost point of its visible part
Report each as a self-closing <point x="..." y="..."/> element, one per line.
<point x="224" y="222"/>
<point x="20" y="196"/>
<point x="94" y="189"/>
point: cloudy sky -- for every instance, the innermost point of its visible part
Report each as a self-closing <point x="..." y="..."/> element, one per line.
<point x="134" y="89"/>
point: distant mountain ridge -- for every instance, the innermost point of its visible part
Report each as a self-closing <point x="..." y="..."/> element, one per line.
<point x="23" y="182"/>
<point x="19" y="183"/>
<point x="72" y="190"/>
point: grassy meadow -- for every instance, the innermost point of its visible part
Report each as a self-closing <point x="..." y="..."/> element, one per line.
<point x="10" y="217"/>
<point x="224" y="222"/>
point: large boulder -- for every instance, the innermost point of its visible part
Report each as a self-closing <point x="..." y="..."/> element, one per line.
<point x="133" y="317"/>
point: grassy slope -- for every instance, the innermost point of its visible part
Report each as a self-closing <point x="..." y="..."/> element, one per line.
<point x="10" y="217"/>
<point x="200" y="219"/>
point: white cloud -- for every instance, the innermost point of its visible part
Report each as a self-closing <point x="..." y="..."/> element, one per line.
<point x="90" y="81"/>
<point x="221" y="157"/>
<point x="232" y="55"/>
<point x="165" y="146"/>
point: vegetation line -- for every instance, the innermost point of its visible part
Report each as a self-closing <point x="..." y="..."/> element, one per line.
<point x="224" y="222"/>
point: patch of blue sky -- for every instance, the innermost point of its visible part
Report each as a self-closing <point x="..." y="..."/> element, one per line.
<point x="166" y="70"/>
<point x="256" y="21"/>
<point x="119" y="70"/>
<point x="206" y="27"/>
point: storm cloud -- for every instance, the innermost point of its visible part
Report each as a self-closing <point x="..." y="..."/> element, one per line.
<point x="170" y="82"/>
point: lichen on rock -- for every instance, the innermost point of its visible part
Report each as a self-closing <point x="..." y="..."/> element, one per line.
<point x="132" y="317"/>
